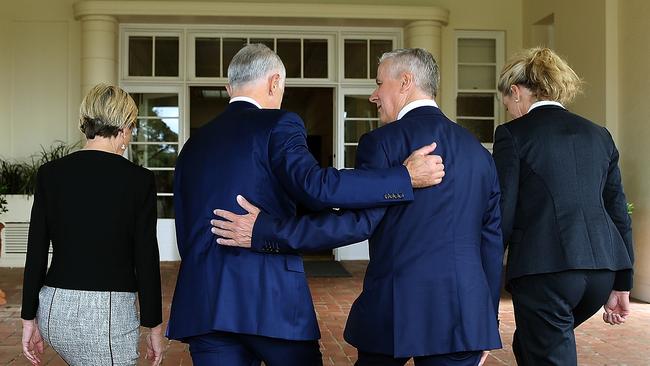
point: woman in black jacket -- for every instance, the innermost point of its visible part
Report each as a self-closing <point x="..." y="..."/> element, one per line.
<point x="564" y="216"/>
<point x="99" y="212"/>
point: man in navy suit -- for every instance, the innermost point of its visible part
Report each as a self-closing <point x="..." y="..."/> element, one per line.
<point x="238" y="307"/>
<point x="431" y="290"/>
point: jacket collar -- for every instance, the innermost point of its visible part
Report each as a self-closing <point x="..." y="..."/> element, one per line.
<point x="239" y="105"/>
<point x="421" y="111"/>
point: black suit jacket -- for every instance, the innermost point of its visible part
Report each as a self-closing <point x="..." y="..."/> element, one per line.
<point x="99" y="211"/>
<point x="562" y="201"/>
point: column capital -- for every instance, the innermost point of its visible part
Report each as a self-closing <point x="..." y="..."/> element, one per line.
<point x="435" y="23"/>
<point x="98" y="17"/>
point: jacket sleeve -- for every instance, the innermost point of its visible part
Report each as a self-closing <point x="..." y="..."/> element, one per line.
<point x="38" y="245"/>
<point x="492" y="241"/>
<point x="326" y="230"/>
<point x="507" y="164"/>
<point x="147" y="261"/>
<point x="318" y="188"/>
<point x="616" y="206"/>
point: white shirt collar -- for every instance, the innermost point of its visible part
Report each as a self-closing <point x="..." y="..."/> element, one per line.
<point x="416" y="104"/>
<point x="544" y="102"/>
<point x="246" y="99"/>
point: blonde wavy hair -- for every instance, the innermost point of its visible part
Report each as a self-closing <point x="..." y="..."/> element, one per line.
<point x="544" y="73"/>
<point x="106" y="110"/>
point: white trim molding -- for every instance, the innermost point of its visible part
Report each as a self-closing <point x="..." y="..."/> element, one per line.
<point x="119" y="8"/>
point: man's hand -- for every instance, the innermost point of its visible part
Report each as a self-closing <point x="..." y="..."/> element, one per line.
<point x="238" y="230"/>
<point x="617" y="307"/>
<point x="425" y="170"/>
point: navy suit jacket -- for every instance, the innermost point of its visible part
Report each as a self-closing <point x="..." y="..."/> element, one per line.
<point x="261" y="154"/>
<point x="563" y="203"/>
<point x="432" y="284"/>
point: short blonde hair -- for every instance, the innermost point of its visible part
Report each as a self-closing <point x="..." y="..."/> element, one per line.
<point x="106" y="110"/>
<point x="544" y="73"/>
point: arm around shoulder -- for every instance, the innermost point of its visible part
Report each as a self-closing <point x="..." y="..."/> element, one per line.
<point x="319" y="188"/>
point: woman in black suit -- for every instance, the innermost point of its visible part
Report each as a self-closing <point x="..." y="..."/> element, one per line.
<point x="564" y="216"/>
<point x="99" y="211"/>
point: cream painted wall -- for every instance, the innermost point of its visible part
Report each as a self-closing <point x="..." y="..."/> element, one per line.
<point x="634" y="130"/>
<point x="580" y="39"/>
<point x="39" y="75"/>
<point x="502" y="15"/>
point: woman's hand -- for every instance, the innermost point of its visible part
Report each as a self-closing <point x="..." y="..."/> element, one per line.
<point x="154" y="346"/>
<point x="617" y="307"/>
<point x="32" y="342"/>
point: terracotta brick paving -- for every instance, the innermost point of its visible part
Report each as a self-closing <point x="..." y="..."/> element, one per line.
<point x="598" y="343"/>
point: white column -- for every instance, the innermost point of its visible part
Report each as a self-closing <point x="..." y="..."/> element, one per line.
<point x="425" y="34"/>
<point x="98" y="51"/>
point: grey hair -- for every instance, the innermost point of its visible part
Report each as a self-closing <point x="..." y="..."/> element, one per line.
<point x="252" y="63"/>
<point x="418" y="62"/>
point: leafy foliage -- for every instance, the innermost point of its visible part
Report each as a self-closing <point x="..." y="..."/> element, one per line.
<point x="3" y="200"/>
<point x="20" y="177"/>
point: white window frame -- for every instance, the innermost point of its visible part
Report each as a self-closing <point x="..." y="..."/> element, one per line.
<point x="282" y="33"/>
<point x="394" y="35"/>
<point x="125" y="33"/>
<point x="499" y="38"/>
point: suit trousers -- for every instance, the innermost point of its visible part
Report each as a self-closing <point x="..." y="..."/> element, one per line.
<point x="549" y="306"/>
<point x="450" y="359"/>
<point x="232" y="349"/>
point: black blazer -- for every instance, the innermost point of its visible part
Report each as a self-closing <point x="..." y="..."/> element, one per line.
<point x="99" y="211"/>
<point x="562" y="201"/>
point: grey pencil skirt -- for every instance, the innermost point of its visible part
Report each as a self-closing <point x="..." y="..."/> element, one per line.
<point x="90" y="327"/>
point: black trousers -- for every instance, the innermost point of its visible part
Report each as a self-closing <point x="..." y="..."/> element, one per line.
<point x="547" y="309"/>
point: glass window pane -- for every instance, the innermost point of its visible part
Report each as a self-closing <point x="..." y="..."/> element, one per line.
<point x="475" y="105"/>
<point x="481" y="128"/>
<point x="165" y="207"/>
<point x="154" y="155"/>
<point x="156" y="130"/>
<point x="206" y="102"/>
<point x="207" y="55"/>
<point x="140" y="56"/>
<point x="356" y="59"/>
<point x="289" y="52"/>
<point x="476" y="77"/>
<point x="156" y="104"/>
<point x="354" y="129"/>
<point x="350" y="156"/>
<point x="230" y="47"/>
<point x="477" y="50"/>
<point x="377" y="48"/>
<point x="315" y="58"/>
<point x="166" y="56"/>
<point x="164" y="181"/>
<point x="358" y="106"/>
<point x="268" y="42"/>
